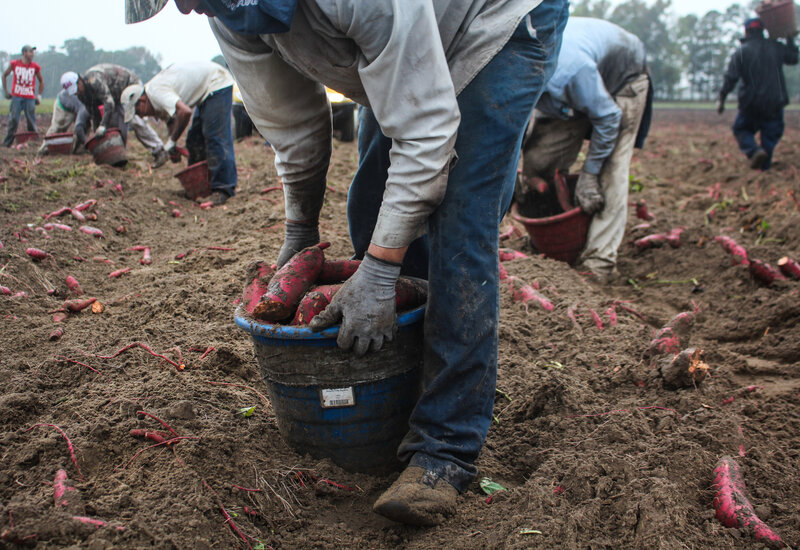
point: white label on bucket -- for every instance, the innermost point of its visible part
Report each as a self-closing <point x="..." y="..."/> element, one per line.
<point x="337" y="397"/>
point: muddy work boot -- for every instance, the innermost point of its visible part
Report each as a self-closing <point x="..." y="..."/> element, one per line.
<point x="217" y="198"/>
<point x="758" y="159"/>
<point x="418" y="497"/>
<point x="160" y="157"/>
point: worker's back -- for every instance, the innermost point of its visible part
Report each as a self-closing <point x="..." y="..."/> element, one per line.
<point x="759" y="64"/>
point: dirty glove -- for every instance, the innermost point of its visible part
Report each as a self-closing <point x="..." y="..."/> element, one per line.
<point x="100" y="132"/>
<point x="588" y="193"/>
<point x="172" y="150"/>
<point x="297" y="236"/>
<point x="366" y="306"/>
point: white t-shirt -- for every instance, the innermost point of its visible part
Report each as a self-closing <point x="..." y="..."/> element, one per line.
<point x="190" y="82"/>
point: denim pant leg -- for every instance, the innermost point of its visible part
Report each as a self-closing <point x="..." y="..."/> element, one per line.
<point x="29" y="106"/>
<point x="771" y="133"/>
<point x="14" y="111"/>
<point x="218" y="134"/>
<point x="195" y="142"/>
<point x="366" y="194"/>
<point x="744" y="130"/>
<point x="449" y="423"/>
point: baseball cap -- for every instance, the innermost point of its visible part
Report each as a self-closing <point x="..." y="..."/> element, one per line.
<point x="28" y="47"/>
<point x="754" y="23"/>
<point x="139" y="10"/>
<point x="69" y="81"/>
<point x="128" y="98"/>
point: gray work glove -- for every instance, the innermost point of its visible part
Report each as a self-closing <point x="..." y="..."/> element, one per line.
<point x="297" y="236"/>
<point x="100" y="132"/>
<point x="588" y="193"/>
<point x="366" y="306"/>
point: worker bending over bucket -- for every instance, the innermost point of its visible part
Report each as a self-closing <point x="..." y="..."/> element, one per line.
<point x="447" y="88"/>
<point x="601" y="91"/>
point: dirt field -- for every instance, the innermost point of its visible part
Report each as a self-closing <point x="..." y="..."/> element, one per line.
<point x="595" y="453"/>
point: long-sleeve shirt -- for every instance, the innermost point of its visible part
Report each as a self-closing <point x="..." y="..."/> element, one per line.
<point x="758" y="64"/>
<point x="103" y="85"/>
<point x="405" y="59"/>
<point x="597" y="59"/>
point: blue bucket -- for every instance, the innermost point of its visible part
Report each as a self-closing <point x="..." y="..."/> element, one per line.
<point x="330" y="403"/>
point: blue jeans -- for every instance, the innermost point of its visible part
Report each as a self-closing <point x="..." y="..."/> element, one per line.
<point x="747" y="125"/>
<point x="19" y="104"/>
<point x="449" y="423"/>
<point x="210" y="138"/>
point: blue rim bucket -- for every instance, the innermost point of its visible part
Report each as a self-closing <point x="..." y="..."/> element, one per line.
<point x="330" y="403"/>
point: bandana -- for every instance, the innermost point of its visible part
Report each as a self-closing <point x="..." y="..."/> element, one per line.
<point x="254" y="16"/>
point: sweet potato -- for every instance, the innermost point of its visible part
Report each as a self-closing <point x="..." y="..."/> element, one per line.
<point x="673" y="336"/>
<point x="733" y="508"/>
<point x="509" y="254"/>
<point x="314" y="303"/>
<point x="61" y="226"/>
<point x="57" y="334"/>
<point x="36" y="254"/>
<point x="764" y="272"/>
<point x="684" y="370"/>
<point x="93" y="231"/>
<point x="119" y="272"/>
<point x="337" y="271"/>
<point x="60" y="212"/>
<point x="78" y="305"/>
<point x="259" y="274"/>
<point x="642" y="211"/>
<point x="65" y="495"/>
<point x="85" y="205"/>
<point x="5" y="291"/>
<point x="74" y="285"/>
<point x="77" y="214"/>
<point x="789" y="267"/>
<point x="146" y="258"/>
<point x="738" y="253"/>
<point x="656" y="240"/>
<point x="289" y="284"/>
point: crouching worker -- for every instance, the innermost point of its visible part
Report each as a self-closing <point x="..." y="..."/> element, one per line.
<point x="103" y="85"/>
<point x="435" y="78"/>
<point x="67" y="109"/>
<point x="172" y="95"/>
<point x="600" y="91"/>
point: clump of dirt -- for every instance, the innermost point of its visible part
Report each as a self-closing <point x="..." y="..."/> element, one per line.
<point x="593" y="450"/>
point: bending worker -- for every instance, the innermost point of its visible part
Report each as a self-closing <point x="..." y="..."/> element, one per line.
<point x="440" y="80"/>
<point x="600" y="89"/>
<point x="758" y="64"/>
<point x="103" y="85"/>
<point x="67" y="109"/>
<point x="207" y="89"/>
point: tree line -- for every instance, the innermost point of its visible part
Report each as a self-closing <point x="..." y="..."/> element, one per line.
<point x="78" y="54"/>
<point x="687" y="55"/>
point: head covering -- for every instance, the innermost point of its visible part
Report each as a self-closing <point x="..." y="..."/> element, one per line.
<point x="249" y="17"/>
<point x="28" y="48"/>
<point x="69" y="82"/>
<point x="128" y="98"/>
<point x="753" y="24"/>
<point x="139" y="10"/>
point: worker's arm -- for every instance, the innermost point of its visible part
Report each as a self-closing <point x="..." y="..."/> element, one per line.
<point x="41" y="82"/>
<point x="587" y="94"/>
<point x="5" y="77"/>
<point x="179" y="121"/>
<point x="293" y="114"/>
<point x="790" y="52"/>
<point x="732" y="75"/>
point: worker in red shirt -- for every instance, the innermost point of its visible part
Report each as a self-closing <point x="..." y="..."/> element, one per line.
<point x="23" y="94"/>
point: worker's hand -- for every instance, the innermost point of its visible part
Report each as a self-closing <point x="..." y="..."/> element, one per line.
<point x="720" y="106"/>
<point x="173" y="151"/>
<point x="297" y="236"/>
<point x="100" y="132"/>
<point x="366" y="307"/>
<point x="589" y="194"/>
<point x="8" y="95"/>
<point x="38" y="99"/>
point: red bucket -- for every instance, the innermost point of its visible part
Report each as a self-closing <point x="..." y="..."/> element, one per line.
<point x="779" y="17"/>
<point x="24" y="137"/>
<point x="109" y="149"/>
<point x="59" y="144"/>
<point x="561" y="237"/>
<point x="196" y="180"/>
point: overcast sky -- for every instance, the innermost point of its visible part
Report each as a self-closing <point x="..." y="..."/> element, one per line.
<point x="176" y="37"/>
